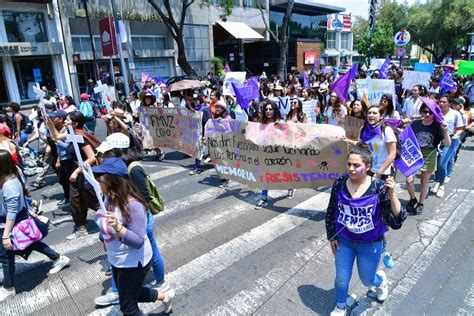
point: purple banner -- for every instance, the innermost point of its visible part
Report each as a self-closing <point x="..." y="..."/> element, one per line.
<point x="226" y="68"/>
<point x="411" y="158"/>
<point x="383" y="73"/>
<point x="341" y="85"/>
<point x="447" y="81"/>
<point x="306" y="79"/>
<point x="247" y="93"/>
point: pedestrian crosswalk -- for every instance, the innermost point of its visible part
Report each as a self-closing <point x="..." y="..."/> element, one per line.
<point x="222" y="256"/>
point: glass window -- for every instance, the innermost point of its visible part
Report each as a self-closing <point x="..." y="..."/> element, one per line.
<point x="76" y="44"/>
<point x="86" y="45"/>
<point x="148" y="43"/>
<point x="160" y="43"/>
<point x="331" y="40"/>
<point x="25" y="26"/>
<point x="253" y="3"/>
<point x="136" y="42"/>
<point x="345" y="40"/>
<point x="28" y="71"/>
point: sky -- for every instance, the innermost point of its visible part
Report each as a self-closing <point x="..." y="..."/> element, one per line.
<point x="357" y="7"/>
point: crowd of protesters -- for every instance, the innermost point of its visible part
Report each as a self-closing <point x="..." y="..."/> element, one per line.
<point x="440" y="119"/>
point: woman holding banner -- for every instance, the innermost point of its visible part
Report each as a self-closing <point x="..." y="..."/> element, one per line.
<point x="359" y="209"/>
<point x="270" y="115"/>
<point x="149" y="100"/>
<point x="308" y="97"/>
<point x="381" y="141"/>
<point x="429" y="132"/>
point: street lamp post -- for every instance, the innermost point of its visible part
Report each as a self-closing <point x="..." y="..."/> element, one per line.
<point x="119" y="41"/>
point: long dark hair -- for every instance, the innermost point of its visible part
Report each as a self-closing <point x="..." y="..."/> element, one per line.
<point x="79" y="118"/>
<point x="276" y="112"/>
<point x="299" y="111"/>
<point x="390" y="107"/>
<point x="119" y="190"/>
<point x="8" y="168"/>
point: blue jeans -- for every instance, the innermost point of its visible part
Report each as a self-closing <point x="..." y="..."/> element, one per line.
<point x="368" y="258"/>
<point x="23" y="138"/>
<point x="197" y="163"/>
<point x="447" y="155"/>
<point x="157" y="260"/>
<point x="452" y="160"/>
<point x="264" y="194"/>
<point x="7" y="259"/>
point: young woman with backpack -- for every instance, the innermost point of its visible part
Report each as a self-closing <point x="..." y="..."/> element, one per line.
<point x="21" y="124"/>
<point x="116" y="145"/>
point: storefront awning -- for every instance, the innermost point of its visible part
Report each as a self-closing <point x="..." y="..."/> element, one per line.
<point x="240" y="30"/>
<point x="331" y="52"/>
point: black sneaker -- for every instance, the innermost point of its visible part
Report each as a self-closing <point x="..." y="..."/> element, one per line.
<point x="225" y="183"/>
<point x="418" y="209"/>
<point x="38" y="185"/>
<point x="261" y="203"/>
<point x="411" y="205"/>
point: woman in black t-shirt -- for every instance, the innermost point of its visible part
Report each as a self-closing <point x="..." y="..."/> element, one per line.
<point x="429" y="134"/>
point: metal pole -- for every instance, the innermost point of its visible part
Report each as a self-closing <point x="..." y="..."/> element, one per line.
<point x="96" y="66"/>
<point x="112" y="73"/>
<point x="122" y="60"/>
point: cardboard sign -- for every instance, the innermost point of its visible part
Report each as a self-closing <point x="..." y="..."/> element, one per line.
<point x="352" y="126"/>
<point x="172" y="128"/>
<point x="375" y="88"/>
<point x="283" y="104"/>
<point x="277" y="156"/>
<point x="411" y="78"/>
<point x="235" y="77"/>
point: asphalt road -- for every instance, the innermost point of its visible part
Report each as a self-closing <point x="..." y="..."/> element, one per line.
<point x="226" y="258"/>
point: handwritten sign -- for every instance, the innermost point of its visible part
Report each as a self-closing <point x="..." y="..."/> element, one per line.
<point x="235" y="77"/>
<point x="277" y="156"/>
<point x="283" y="104"/>
<point x="375" y="88"/>
<point x="309" y="108"/>
<point x="352" y="126"/>
<point x="411" y="78"/>
<point x="173" y="128"/>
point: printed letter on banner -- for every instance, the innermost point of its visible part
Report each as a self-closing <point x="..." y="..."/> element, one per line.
<point x="173" y="128"/>
<point x="277" y="156"/>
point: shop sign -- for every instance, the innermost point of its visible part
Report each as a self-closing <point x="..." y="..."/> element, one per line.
<point x="339" y="22"/>
<point x="30" y="49"/>
<point x="126" y="15"/>
<point x="108" y="37"/>
<point x="402" y="38"/>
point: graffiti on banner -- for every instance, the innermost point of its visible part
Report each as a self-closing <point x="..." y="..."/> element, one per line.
<point x="352" y="126"/>
<point x="375" y="88"/>
<point x="277" y="156"/>
<point x="235" y="77"/>
<point x="411" y="78"/>
<point x="178" y="129"/>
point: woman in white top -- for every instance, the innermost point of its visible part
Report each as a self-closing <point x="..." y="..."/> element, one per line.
<point x="134" y="105"/>
<point x="335" y="112"/>
<point x="386" y="103"/>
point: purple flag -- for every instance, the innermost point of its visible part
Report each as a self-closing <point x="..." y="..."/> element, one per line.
<point x="247" y="93"/>
<point x="226" y="68"/>
<point x="434" y="108"/>
<point x="316" y="64"/>
<point x="447" y="81"/>
<point x="160" y="80"/>
<point x="394" y="122"/>
<point x="411" y="158"/>
<point x="145" y="77"/>
<point x="342" y="84"/>
<point x="383" y="73"/>
<point x="306" y="79"/>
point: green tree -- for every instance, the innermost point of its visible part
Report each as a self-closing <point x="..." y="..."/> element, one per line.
<point x="440" y="26"/>
<point x="174" y="18"/>
<point x="393" y="13"/>
<point x="380" y="45"/>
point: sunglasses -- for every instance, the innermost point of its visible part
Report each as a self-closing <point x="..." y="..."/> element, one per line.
<point x="427" y="112"/>
<point x="269" y="109"/>
<point x="294" y="102"/>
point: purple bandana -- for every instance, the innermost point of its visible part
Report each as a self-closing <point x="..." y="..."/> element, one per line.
<point x="370" y="132"/>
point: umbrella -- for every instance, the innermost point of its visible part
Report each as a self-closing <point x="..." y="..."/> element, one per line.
<point x="185" y="85"/>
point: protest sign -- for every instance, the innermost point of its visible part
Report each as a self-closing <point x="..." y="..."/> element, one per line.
<point x="424" y="67"/>
<point x="375" y="88"/>
<point x="411" y="158"/>
<point x="352" y="126"/>
<point x="309" y="108"/>
<point x="235" y="77"/>
<point x="277" y="156"/>
<point x="283" y="104"/>
<point x="173" y="128"/>
<point x="411" y="78"/>
<point x="466" y="68"/>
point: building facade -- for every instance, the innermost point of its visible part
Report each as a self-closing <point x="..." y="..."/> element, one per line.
<point x="31" y="50"/>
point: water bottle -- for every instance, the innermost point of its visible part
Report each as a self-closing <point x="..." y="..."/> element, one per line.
<point x="387" y="260"/>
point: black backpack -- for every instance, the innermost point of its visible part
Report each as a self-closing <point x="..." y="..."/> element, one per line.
<point x="26" y="124"/>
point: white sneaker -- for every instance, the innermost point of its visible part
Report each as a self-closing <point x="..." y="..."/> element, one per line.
<point x="382" y="289"/>
<point x="6" y="294"/>
<point x="78" y="233"/>
<point x="167" y="301"/>
<point x="59" y="264"/>
<point x="440" y="192"/>
<point x="111" y="298"/>
<point x="338" y="312"/>
<point x="435" y="187"/>
<point x="447" y="179"/>
<point x="164" y="287"/>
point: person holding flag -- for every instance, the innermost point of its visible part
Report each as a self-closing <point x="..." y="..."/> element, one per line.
<point x="430" y="131"/>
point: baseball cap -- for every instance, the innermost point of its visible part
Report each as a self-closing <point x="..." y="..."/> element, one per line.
<point x="85" y="96"/>
<point x="114" y="166"/>
<point x="58" y="113"/>
<point x="459" y="100"/>
<point x="115" y="140"/>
